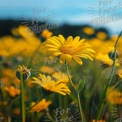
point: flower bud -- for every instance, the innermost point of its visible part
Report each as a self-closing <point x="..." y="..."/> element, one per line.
<point x="22" y="70"/>
<point x="113" y="55"/>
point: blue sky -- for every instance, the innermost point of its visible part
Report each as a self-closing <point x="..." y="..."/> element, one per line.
<point x="63" y="11"/>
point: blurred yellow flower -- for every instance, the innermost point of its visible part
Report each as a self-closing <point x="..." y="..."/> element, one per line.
<point x="119" y="73"/>
<point x="25" y="32"/>
<point x="50" y="85"/>
<point x="42" y="105"/>
<point x="47" y="69"/>
<point x="104" y="58"/>
<point x="8" y="77"/>
<point x="8" y="73"/>
<point x="88" y="30"/>
<point x="60" y="76"/>
<point x="12" y="91"/>
<point x="46" y="34"/>
<point x="101" y="35"/>
<point x="114" y="96"/>
<point x="69" y="49"/>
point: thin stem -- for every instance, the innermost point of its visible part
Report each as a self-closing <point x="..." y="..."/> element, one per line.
<point x="77" y="94"/>
<point x="68" y="74"/>
<point x="22" y="99"/>
<point x="60" y="100"/>
<point x="80" y="109"/>
<point x="110" y="80"/>
<point x="100" y="110"/>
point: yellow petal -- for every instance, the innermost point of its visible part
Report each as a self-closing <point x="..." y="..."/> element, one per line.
<point x="62" y="39"/>
<point x="57" y="53"/>
<point x="78" y="60"/>
<point x="52" y="46"/>
<point x="68" y="58"/>
<point x="69" y="39"/>
<point x="76" y="39"/>
<point x="62" y="58"/>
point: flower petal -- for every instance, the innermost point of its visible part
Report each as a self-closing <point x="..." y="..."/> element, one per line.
<point x="78" y="60"/>
<point x="62" y="58"/>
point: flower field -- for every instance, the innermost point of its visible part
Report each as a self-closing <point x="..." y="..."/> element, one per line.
<point x="54" y="78"/>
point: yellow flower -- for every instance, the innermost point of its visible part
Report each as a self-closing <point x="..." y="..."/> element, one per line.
<point x="104" y="58"/>
<point x="46" y="34"/>
<point x="47" y="69"/>
<point x="12" y="91"/>
<point x="69" y="49"/>
<point x="42" y="105"/>
<point x="101" y="35"/>
<point x="61" y="77"/>
<point x="50" y="85"/>
<point x="119" y="72"/>
<point x="88" y="30"/>
<point x="114" y="96"/>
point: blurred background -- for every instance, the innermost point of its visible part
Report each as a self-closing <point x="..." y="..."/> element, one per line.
<point x="68" y="16"/>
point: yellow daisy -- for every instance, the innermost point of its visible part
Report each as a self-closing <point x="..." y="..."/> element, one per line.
<point x="69" y="48"/>
<point x="50" y="85"/>
<point x="42" y="105"/>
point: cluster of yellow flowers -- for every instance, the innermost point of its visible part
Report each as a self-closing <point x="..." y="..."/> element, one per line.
<point x="26" y="45"/>
<point x="104" y="47"/>
<point x="29" y="49"/>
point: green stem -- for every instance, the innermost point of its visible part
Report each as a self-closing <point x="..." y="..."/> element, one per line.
<point x="77" y="94"/>
<point x="80" y="109"/>
<point x="22" y="98"/>
<point x="60" y="100"/>
<point x="110" y="80"/>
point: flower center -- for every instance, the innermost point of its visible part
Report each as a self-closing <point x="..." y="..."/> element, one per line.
<point x="66" y="49"/>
